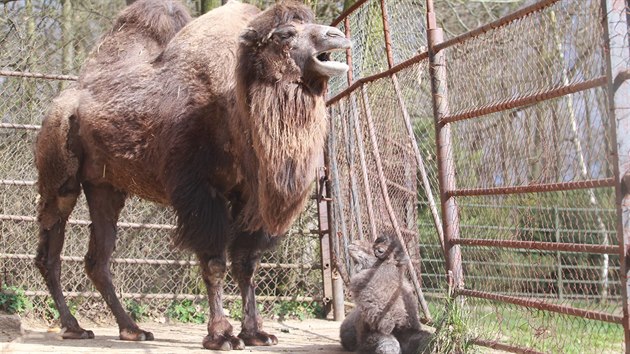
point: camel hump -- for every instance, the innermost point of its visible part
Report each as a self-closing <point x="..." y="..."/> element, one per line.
<point x="158" y="19"/>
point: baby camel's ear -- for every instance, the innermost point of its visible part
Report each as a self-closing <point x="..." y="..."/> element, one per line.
<point x="389" y="248"/>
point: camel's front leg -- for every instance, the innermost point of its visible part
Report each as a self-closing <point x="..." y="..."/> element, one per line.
<point x="245" y="254"/>
<point x="220" y="335"/>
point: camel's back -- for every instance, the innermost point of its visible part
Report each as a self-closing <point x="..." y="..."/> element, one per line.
<point x="204" y="52"/>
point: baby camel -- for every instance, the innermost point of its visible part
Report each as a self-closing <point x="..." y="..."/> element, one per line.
<point x="385" y="320"/>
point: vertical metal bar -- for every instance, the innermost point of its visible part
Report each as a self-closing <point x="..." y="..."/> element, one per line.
<point x="333" y="188"/>
<point x="388" y="204"/>
<point x="559" y="276"/>
<point x="419" y="161"/>
<point x="348" y="133"/>
<point x="347" y="30"/>
<point x="446" y="165"/>
<point x="364" y="170"/>
<point x="618" y="59"/>
<point x="324" y="225"/>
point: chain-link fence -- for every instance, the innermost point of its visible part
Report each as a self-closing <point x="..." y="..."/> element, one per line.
<point x="52" y="38"/>
<point x="518" y="171"/>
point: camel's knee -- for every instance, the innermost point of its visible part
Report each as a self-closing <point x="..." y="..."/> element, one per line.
<point x="215" y="270"/>
<point x="55" y="208"/>
<point x="96" y="269"/>
<point x="378" y="343"/>
<point x="348" y="331"/>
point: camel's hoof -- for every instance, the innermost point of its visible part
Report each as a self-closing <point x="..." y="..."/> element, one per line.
<point x="258" y="339"/>
<point x="136" y="335"/>
<point x="77" y="333"/>
<point x="223" y="343"/>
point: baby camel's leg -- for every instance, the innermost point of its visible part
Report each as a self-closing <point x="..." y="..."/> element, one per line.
<point x="378" y="343"/>
<point x="105" y="204"/>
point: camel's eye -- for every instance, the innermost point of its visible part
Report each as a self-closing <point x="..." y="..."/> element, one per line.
<point x="284" y="32"/>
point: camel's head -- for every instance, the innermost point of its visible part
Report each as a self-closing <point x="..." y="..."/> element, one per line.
<point x="282" y="44"/>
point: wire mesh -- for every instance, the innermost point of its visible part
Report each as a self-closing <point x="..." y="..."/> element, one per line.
<point x="531" y="144"/>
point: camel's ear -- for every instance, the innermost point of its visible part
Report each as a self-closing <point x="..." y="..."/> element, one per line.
<point x="249" y="37"/>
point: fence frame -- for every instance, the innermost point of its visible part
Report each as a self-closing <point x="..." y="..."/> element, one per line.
<point x="617" y="31"/>
<point x="615" y="23"/>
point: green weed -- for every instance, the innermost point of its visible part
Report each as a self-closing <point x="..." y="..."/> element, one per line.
<point x="452" y="332"/>
<point x="186" y="311"/>
<point x="14" y="300"/>
<point x="136" y="310"/>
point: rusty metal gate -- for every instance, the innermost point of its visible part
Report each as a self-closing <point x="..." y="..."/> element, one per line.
<point x="497" y="155"/>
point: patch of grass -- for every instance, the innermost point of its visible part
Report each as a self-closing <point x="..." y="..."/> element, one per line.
<point x="13" y="300"/>
<point x="297" y="310"/>
<point x="452" y="331"/>
<point x="548" y="331"/>
<point x="136" y="310"/>
<point x="186" y="311"/>
<point x="50" y="310"/>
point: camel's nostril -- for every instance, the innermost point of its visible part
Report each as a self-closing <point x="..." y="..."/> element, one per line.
<point x="335" y="33"/>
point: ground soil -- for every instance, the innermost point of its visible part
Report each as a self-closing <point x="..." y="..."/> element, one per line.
<point x="310" y="336"/>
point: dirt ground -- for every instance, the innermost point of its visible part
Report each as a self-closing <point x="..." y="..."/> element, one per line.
<point x="310" y="336"/>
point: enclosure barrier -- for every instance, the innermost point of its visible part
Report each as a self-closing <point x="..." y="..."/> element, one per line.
<point x="523" y="124"/>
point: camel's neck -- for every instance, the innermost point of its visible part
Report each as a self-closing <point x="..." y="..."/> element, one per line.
<point x="282" y="129"/>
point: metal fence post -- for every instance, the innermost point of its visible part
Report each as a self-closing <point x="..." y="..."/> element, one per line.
<point x="618" y="63"/>
<point x="333" y="298"/>
<point x="446" y="165"/>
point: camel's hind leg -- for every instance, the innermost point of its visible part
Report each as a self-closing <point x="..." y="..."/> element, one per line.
<point x="54" y="211"/>
<point x="105" y="204"/>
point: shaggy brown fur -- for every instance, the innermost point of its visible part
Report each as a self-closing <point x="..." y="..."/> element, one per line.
<point x="385" y="320"/>
<point x="223" y="121"/>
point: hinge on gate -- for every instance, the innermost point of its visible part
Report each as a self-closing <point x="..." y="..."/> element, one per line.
<point x="321" y="187"/>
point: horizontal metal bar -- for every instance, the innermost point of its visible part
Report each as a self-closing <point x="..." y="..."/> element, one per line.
<point x="86" y="222"/>
<point x="171" y="296"/>
<point x="12" y="182"/>
<point x="541" y="305"/>
<point x="161" y="261"/>
<point x="533" y="188"/>
<point x="401" y="188"/>
<point x="20" y="126"/>
<point x="536" y="245"/>
<point x="38" y="75"/>
<point x="403" y="65"/>
<point x="493" y="344"/>
<point x="535" y="229"/>
<point x="527" y="100"/>
<point x="404" y="230"/>
<point x="496" y="24"/>
<point x="520" y="207"/>
<point x="347" y="13"/>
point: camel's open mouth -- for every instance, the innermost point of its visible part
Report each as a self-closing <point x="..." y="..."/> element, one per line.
<point x="327" y="67"/>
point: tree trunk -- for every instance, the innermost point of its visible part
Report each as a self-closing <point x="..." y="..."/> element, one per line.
<point x="67" y="35"/>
